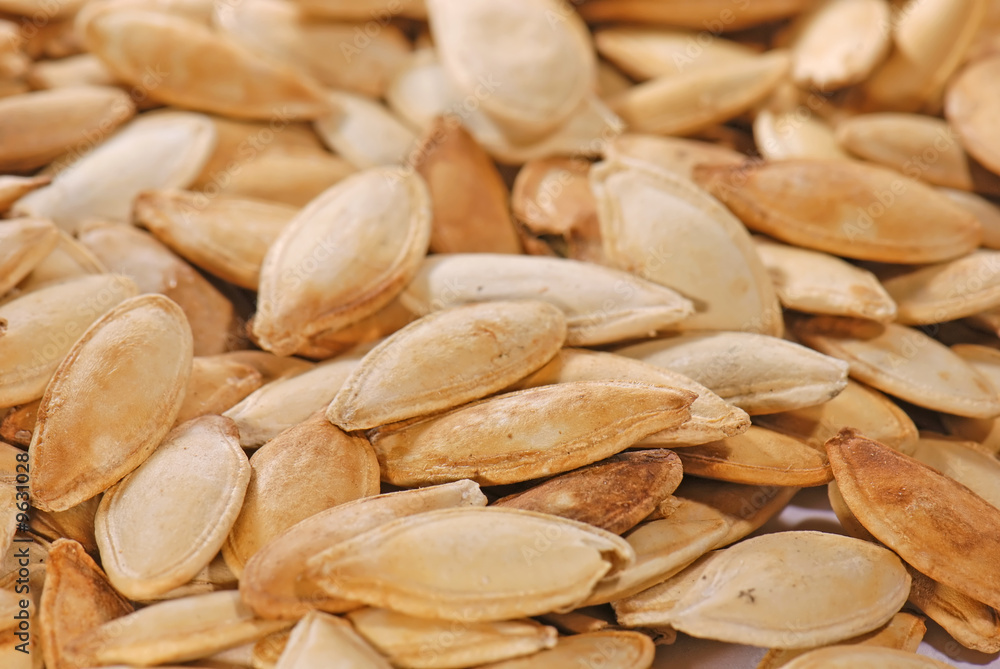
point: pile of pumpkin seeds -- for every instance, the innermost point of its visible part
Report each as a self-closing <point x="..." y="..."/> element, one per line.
<point x="437" y="334"/>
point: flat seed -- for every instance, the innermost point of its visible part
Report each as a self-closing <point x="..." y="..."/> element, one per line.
<point x="863" y="657"/>
<point x="155" y="269"/>
<point x="839" y="43"/>
<point x="985" y="211"/>
<point x="213" y="577"/>
<point x="384" y="322"/>
<point x="683" y="104"/>
<point x="757" y="373"/>
<point x="40" y="328"/>
<point x="76" y="523"/>
<point x="160" y="525"/>
<point x="963" y="462"/>
<point x="694" y="14"/>
<point x="905" y="363"/>
<point x="274" y="582"/>
<point x="286" y="402"/>
<point x="929" y="40"/>
<point x="857" y="406"/>
<point x="216" y="384"/>
<point x="322" y="641"/>
<point x="758" y="457"/>
<point x="846" y="216"/>
<point x="76" y="599"/>
<point x="24" y="242"/>
<point x="613" y="494"/>
<point x="13" y="188"/>
<point x="674" y="154"/>
<point x="359" y="10"/>
<point x="160" y="150"/>
<point x="744" y="508"/>
<point x="416" y="643"/>
<point x="947" y="291"/>
<point x="175" y="631"/>
<point x="595" y="312"/>
<point x="334" y="467"/>
<point x="68" y="260"/>
<point x="936" y="524"/>
<point x="527" y="434"/>
<point x="471" y="564"/>
<point x="645" y="53"/>
<point x="81" y="69"/>
<point x="971" y="623"/>
<point x="719" y="270"/>
<point x="17" y="426"/>
<point x="41" y="126"/>
<point x="80" y="448"/>
<point x="491" y="345"/>
<point x="969" y="104"/>
<point x="270" y="366"/>
<point x="469" y="198"/>
<point x="617" y="650"/>
<point x="237" y="83"/>
<point x="784" y="135"/>
<point x="226" y="236"/>
<point x="343" y="257"/>
<point x="819" y="283"/>
<point x="363" y="131"/>
<point x="537" y="85"/>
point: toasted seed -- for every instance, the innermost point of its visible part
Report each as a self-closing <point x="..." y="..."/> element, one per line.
<point x="663" y="548"/>
<point x="683" y="104"/>
<point x="602" y="305"/>
<point x="216" y="384"/>
<point x="527" y="434"/>
<point x="839" y="43"/>
<point x="970" y="622"/>
<point x="947" y="291"/>
<point x="416" y="643"/>
<point x="744" y="508"/>
<point x="469" y="198"/>
<point x="175" y="631"/>
<point x="963" y="462"/>
<point x="8" y="514"/>
<point x="864" y="657"/>
<point x="613" y="494"/>
<point x="674" y="154"/>
<point x="286" y="402"/>
<point x="12" y="188"/>
<point x="24" y="243"/>
<point x="491" y="345"/>
<point x="758" y="457"/>
<point x="41" y="126"/>
<point x="788" y="134"/>
<point x="156" y="269"/>
<point x="985" y="211"/>
<point x="645" y="53"/>
<point x="903" y="632"/>
<point x="857" y="406"/>
<point x="343" y="257"/>
<point x="617" y="649"/>
<point x="213" y="577"/>
<point x="211" y="71"/>
<point x="970" y="104"/>
<point x="384" y="322"/>
<point x="40" y="328"/>
<point x="757" y="373"/>
<point x="903" y="362"/>
<point x="326" y="50"/>
<point x="929" y="42"/>
<point x="552" y="196"/>
<point x="841" y="586"/>
<point x="846" y="217"/>
<point x="81" y="69"/>
<point x="363" y="131"/>
<point x="983" y="431"/>
<point x="81" y="447"/>
<point x="76" y="599"/>
<point x="226" y="236"/>
<point x="322" y="641"/>
<point x="711" y="417"/>
<point x="719" y="269"/>
<point x="267" y="651"/>
<point x="471" y="564"/>
<point x="694" y="14"/>
<point x="539" y="83"/>
<point x="160" y="150"/>
<point x="274" y="582"/>
<point x="68" y="260"/>
<point x="17" y="426"/>
<point x="270" y="366"/>
<point x="819" y="283"/>
<point x="359" y="10"/>
<point x="937" y="525"/>
<point x="160" y="525"/>
<point x="76" y="523"/>
<point x="334" y="467"/>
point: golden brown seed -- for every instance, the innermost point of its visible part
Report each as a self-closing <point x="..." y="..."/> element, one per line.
<point x="216" y="384"/>
<point x="142" y="351"/>
<point x="17" y="426"/>
<point x="527" y="434"/>
<point x="787" y="134"/>
<point x="489" y="346"/>
<point x="320" y="640"/>
<point x="970" y="102"/>
<point x="694" y="14"/>
<point x="76" y="523"/>
<point x="617" y="649"/>
<point x="962" y="461"/>
<point x="363" y="131"/>
<point x="613" y="494"/>
<point x="13" y="188"/>
<point x="68" y="260"/>
<point x="744" y="508"/>
<point x="24" y="242"/>
<point x="970" y="622"/>
<point x="864" y="657"/>
<point x="674" y="154"/>
<point x="645" y="53"/>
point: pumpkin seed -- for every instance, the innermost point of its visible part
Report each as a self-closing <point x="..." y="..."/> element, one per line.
<point x="320" y="640"/>
<point x="611" y="649"/>
<point x="23" y="244"/>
